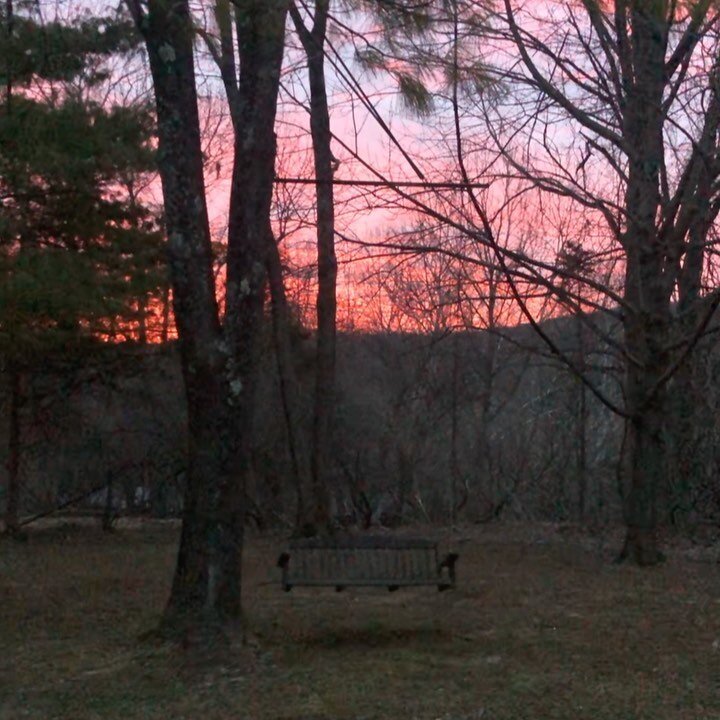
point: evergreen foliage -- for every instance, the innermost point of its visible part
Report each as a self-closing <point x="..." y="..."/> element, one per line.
<point x="80" y="254"/>
<point x="426" y="46"/>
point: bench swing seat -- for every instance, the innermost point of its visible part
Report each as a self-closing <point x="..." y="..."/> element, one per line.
<point x="369" y="561"/>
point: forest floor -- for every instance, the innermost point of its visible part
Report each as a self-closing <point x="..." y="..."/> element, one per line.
<point x="541" y="626"/>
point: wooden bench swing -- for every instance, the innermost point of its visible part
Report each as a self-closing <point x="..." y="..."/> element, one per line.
<point x="370" y="560"/>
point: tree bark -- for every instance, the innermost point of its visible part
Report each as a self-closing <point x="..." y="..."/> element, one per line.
<point x="12" y="504"/>
<point x="581" y="427"/>
<point x="109" y="515"/>
<point x="313" y="43"/>
<point x="454" y="462"/>
<point x="260" y="28"/>
<point x="165" y="323"/>
<point x="9" y="26"/>
<point x="289" y="390"/>
<point x="218" y="360"/>
<point x="195" y="599"/>
<point x="648" y="286"/>
<point x="690" y="405"/>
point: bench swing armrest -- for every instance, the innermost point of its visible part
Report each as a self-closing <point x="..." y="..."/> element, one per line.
<point x="283" y="562"/>
<point x="448" y="562"/>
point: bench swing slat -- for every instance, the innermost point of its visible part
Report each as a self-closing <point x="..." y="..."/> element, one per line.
<point x="367" y="561"/>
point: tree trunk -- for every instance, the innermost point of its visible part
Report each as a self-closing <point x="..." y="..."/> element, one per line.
<point x="646" y="336"/>
<point x="691" y="409"/>
<point x="289" y="390"/>
<point x="260" y="30"/>
<point x="645" y="462"/>
<point x="165" y="326"/>
<point x="12" y="504"/>
<point x="648" y="286"/>
<point x="195" y="603"/>
<point x="581" y="427"/>
<point x="9" y="26"/>
<point x="218" y="362"/>
<point x="108" y="517"/>
<point x="142" y="321"/>
<point x="313" y="42"/>
<point x="454" y="463"/>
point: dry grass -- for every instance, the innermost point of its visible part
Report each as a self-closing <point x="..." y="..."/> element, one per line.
<point x="542" y="626"/>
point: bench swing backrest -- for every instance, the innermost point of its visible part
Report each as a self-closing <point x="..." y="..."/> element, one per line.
<point x="366" y="561"/>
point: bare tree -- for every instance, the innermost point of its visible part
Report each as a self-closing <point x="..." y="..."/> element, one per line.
<point x="218" y="358"/>
<point x="313" y="41"/>
<point x="624" y="83"/>
<point x="612" y="114"/>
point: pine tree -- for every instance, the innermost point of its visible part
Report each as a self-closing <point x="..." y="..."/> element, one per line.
<point x="80" y="254"/>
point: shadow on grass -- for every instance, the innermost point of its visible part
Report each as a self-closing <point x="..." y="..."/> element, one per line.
<point x="374" y="636"/>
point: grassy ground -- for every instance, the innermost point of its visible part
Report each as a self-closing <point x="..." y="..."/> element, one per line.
<point x="542" y="626"/>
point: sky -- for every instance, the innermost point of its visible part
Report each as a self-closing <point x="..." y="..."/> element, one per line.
<point x="526" y="221"/>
